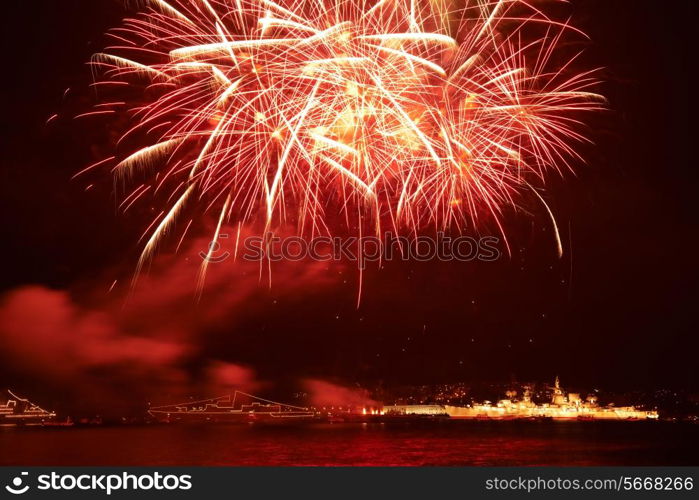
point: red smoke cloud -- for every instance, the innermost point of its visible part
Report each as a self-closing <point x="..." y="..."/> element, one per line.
<point x="108" y="350"/>
<point x="324" y="393"/>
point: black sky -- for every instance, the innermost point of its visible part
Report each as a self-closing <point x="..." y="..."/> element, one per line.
<point x="618" y="310"/>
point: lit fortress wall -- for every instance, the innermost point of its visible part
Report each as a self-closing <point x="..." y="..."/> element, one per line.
<point x="562" y="407"/>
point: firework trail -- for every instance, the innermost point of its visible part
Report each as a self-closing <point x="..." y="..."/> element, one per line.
<point x="363" y="114"/>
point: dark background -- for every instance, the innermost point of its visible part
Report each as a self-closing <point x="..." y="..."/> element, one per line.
<point x="617" y="311"/>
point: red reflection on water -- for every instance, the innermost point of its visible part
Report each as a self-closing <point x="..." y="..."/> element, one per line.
<point x="448" y="443"/>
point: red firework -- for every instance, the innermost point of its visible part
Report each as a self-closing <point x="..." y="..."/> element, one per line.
<point x="373" y="115"/>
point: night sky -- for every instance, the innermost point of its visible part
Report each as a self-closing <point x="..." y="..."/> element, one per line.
<point x="617" y="311"/>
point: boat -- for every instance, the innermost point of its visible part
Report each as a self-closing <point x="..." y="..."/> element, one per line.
<point x="20" y="411"/>
<point x="226" y="409"/>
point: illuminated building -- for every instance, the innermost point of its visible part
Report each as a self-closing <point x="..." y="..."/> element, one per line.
<point x="415" y="410"/>
<point x="562" y="407"/>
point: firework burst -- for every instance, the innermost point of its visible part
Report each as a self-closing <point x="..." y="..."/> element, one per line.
<point x="371" y="115"/>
